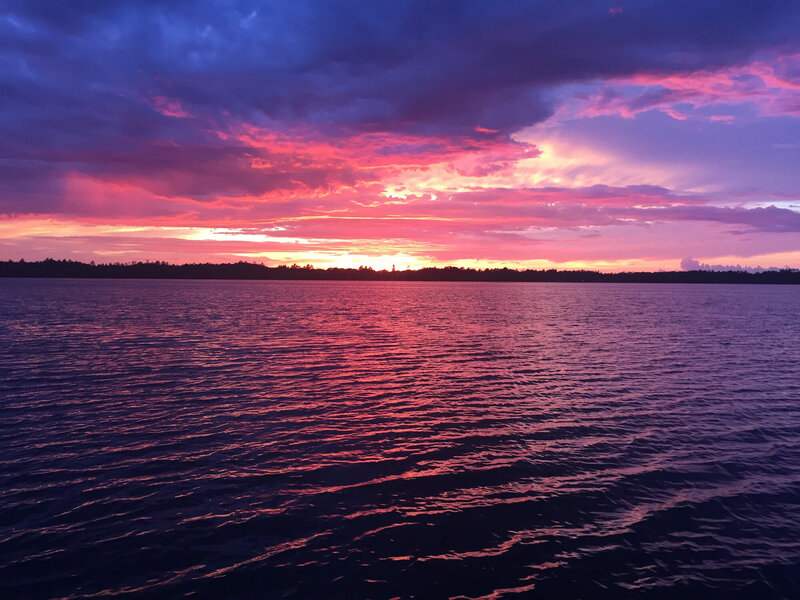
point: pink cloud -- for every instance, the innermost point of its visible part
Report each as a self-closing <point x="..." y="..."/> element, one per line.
<point x="301" y="194"/>
<point x="771" y="85"/>
<point x="169" y="107"/>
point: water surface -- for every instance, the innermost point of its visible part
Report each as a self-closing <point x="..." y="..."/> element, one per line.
<point x="219" y="439"/>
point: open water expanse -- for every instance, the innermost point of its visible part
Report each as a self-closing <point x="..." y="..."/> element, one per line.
<point x="349" y="440"/>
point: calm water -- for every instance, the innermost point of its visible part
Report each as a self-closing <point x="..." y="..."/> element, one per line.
<point x="386" y="440"/>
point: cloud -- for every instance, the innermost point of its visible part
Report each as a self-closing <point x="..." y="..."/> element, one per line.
<point x="690" y="264"/>
<point x="439" y="68"/>
<point x="359" y="121"/>
<point x="770" y="84"/>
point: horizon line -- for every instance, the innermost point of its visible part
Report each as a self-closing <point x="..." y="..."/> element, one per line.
<point x="243" y="270"/>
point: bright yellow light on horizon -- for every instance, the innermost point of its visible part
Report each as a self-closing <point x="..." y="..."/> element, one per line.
<point x="341" y="260"/>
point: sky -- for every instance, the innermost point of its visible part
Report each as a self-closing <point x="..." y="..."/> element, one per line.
<point x="612" y="135"/>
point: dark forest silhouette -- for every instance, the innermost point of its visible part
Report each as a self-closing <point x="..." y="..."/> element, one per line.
<point x="244" y="270"/>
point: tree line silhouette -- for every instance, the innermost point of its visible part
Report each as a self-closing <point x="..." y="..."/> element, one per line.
<point x="244" y="270"/>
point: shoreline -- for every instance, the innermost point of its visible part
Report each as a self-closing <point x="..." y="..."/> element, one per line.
<point x="64" y="269"/>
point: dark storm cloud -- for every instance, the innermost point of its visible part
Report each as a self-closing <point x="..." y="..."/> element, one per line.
<point x="138" y="89"/>
<point x="439" y="66"/>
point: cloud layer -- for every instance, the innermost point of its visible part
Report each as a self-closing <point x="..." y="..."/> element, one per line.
<point x="530" y="133"/>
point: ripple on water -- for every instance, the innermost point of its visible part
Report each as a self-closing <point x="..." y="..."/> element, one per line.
<point x="392" y="440"/>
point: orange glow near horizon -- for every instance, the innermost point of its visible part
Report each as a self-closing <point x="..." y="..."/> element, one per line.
<point x="199" y="244"/>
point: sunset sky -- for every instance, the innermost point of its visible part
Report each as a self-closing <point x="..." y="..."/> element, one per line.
<point x="611" y="135"/>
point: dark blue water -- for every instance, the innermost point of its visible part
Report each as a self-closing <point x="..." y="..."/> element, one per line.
<point x="398" y="440"/>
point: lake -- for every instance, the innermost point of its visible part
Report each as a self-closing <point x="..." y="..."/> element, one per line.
<point x="268" y="439"/>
